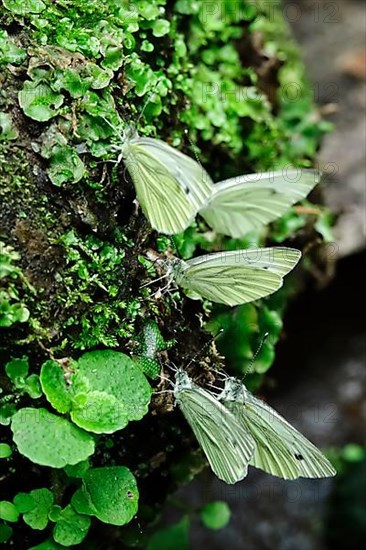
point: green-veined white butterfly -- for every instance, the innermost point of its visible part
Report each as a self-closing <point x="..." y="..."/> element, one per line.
<point x="226" y="444"/>
<point x="234" y="277"/>
<point x="170" y="186"/>
<point x="280" y="449"/>
<point x="241" y="204"/>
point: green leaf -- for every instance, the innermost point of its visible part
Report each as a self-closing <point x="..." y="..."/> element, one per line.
<point x="173" y="537"/>
<point x="54" y="386"/>
<point x="17" y="368"/>
<point x="54" y="513"/>
<point x="71" y="528"/>
<point x="98" y="412"/>
<point x="39" y="102"/>
<point x="23" y="7"/>
<point x="5" y="450"/>
<point x="71" y="81"/>
<point x="148" y="10"/>
<point x="32" y="386"/>
<point x="77" y="470"/>
<point x="8" y="511"/>
<point x="216" y="515"/>
<point x="108" y="493"/>
<point x="5" y="532"/>
<point x="25" y="501"/>
<point x="160" y="27"/>
<point x="65" y="166"/>
<point x="48" y="439"/>
<point x="48" y="545"/>
<point x="7" y="130"/>
<point x="11" y="313"/>
<point x="6" y="412"/>
<point x="114" y="391"/>
<point x="35" y="507"/>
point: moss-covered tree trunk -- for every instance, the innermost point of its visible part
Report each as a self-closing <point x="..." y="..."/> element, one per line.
<point x="224" y="84"/>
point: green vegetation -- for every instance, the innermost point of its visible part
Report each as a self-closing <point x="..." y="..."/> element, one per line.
<point x="78" y="445"/>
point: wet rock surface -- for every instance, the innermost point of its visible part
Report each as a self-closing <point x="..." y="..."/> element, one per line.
<point x="332" y="39"/>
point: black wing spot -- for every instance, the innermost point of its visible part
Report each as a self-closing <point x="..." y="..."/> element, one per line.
<point x="299" y="456"/>
<point x="265" y="267"/>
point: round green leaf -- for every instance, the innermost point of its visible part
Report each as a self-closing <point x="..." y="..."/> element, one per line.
<point x="39" y="102"/>
<point x="25" y="502"/>
<point x="32" y="386"/>
<point x="17" y="368"/>
<point x="48" y="439"/>
<point x="5" y="532"/>
<point x="116" y="374"/>
<point x="65" y="166"/>
<point x="35" y="507"/>
<point x="5" y="450"/>
<point x="77" y="470"/>
<point x="109" y="493"/>
<point x="161" y="27"/>
<point x="54" y="513"/>
<point x="71" y="528"/>
<point x="98" y="412"/>
<point x="8" y="511"/>
<point x="54" y="386"/>
<point x="216" y="515"/>
<point x="6" y="412"/>
<point x="7" y="130"/>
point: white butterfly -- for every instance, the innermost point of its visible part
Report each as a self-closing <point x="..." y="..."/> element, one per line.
<point x="234" y="277"/>
<point x="241" y="204"/>
<point x="226" y="444"/>
<point x="280" y="449"/>
<point x="170" y="186"/>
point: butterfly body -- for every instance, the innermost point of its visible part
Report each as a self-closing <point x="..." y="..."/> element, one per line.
<point x="280" y="449"/>
<point x="235" y="277"/>
<point x="227" y="446"/>
<point x="170" y="186"/>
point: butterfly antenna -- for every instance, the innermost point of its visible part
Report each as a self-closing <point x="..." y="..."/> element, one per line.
<point x="112" y="126"/>
<point x="147" y="101"/>
<point x="249" y="369"/>
<point x="203" y="348"/>
<point x="153" y="281"/>
<point x="194" y="148"/>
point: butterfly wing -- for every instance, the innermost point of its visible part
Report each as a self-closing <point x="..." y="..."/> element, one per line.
<point x="280" y="449"/>
<point x="170" y="186"/>
<point x="238" y="276"/>
<point x="227" y="446"/>
<point x="248" y="202"/>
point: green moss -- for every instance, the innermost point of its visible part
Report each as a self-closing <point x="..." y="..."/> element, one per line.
<point x="12" y="283"/>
